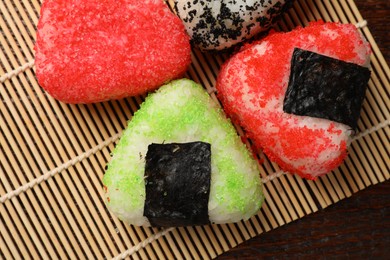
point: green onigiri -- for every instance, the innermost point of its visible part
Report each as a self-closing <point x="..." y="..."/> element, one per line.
<point x="182" y="112"/>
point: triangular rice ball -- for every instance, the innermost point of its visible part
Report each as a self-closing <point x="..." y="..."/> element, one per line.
<point x="182" y="112"/>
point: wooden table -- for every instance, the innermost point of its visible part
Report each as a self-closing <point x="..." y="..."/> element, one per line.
<point x="357" y="227"/>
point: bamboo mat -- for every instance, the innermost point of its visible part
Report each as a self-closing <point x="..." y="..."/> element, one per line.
<point x="53" y="155"/>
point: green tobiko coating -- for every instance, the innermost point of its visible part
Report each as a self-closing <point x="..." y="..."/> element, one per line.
<point x="181" y="112"/>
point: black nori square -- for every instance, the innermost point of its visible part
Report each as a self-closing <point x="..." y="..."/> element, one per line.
<point x="324" y="87"/>
<point x="177" y="178"/>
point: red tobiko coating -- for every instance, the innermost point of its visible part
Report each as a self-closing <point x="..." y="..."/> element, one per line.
<point x="252" y="84"/>
<point x="91" y="51"/>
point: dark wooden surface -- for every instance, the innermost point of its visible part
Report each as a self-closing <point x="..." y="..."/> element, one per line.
<point x="354" y="228"/>
<point x="377" y="14"/>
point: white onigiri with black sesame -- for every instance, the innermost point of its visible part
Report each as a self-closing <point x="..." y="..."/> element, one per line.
<point x="217" y="25"/>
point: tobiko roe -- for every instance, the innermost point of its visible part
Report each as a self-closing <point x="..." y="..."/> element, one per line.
<point x="92" y="51"/>
<point x="252" y="85"/>
<point x="159" y="175"/>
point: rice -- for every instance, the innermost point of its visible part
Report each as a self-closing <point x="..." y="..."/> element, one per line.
<point x="252" y="86"/>
<point x="182" y="112"/>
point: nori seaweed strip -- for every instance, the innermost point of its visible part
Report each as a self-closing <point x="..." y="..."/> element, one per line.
<point x="324" y="87"/>
<point x="177" y="178"/>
